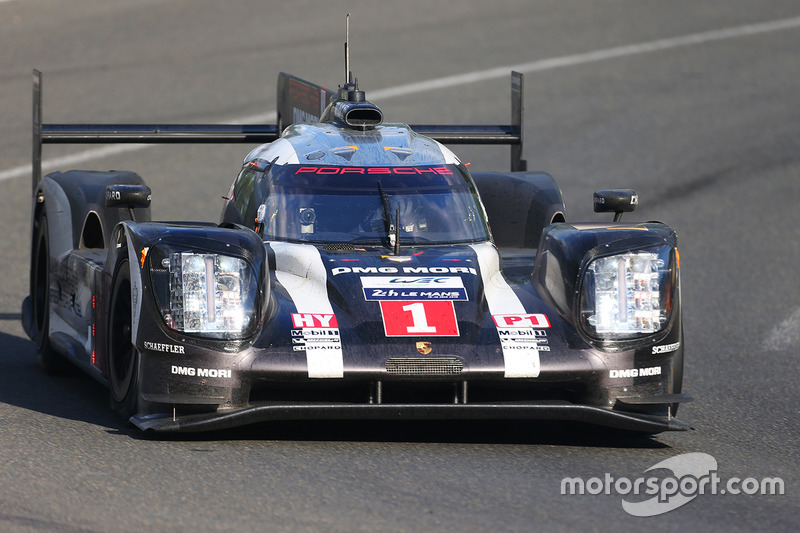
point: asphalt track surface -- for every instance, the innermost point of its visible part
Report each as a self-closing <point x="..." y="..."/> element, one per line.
<point x="694" y="104"/>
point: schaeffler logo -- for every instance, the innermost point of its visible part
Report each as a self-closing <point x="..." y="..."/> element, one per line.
<point x="693" y="474"/>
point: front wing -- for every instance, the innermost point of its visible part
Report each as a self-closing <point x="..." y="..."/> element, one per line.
<point x="555" y="410"/>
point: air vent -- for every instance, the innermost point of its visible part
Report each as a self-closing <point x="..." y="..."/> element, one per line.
<point x="363" y="116"/>
<point x="340" y="247"/>
<point x="424" y="366"/>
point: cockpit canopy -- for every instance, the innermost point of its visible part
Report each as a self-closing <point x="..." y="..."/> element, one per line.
<point x="431" y="204"/>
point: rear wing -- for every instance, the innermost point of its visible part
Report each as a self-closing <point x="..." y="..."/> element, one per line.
<point x="298" y="101"/>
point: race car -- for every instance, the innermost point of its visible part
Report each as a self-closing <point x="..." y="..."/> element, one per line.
<point x="358" y="271"/>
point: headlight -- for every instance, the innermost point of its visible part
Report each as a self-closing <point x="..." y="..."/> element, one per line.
<point x="627" y="295"/>
<point x="210" y="294"/>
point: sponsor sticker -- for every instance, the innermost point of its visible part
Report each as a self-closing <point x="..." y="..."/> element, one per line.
<point x="413" y="288"/>
<point x="316" y="333"/>
<point x="666" y="348"/>
<point x="635" y="372"/>
<point x="520" y="339"/>
<point x="201" y="372"/>
<point x="531" y="320"/>
<point x="164" y="348"/>
<point x="314" y="320"/>
<point x="411" y="318"/>
<point x="404" y="270"/>
<point x="522" y="332"/>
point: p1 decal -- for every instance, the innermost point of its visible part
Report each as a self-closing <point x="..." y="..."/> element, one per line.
<point x="432" y="318"/>
<point x="534" y="320"/>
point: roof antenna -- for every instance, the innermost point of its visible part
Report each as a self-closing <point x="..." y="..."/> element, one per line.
<point x="347" y="74"/>
<point x="349" y="91"/>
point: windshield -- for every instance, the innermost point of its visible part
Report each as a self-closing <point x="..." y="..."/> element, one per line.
<point x="370" y="205"/>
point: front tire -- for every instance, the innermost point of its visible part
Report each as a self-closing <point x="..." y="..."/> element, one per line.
<point x="51" y="361"/>
<point x="123" y="357"/>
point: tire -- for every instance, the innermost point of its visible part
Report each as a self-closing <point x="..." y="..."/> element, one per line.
<point x="123" y="358"/>
<point x="51" y="361"/>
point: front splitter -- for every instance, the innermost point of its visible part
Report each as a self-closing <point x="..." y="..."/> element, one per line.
<point x="265" y="412"/>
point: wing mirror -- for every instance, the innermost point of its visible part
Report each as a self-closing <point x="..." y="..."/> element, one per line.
<point x="130" y="196"/>
<point x="617" y="201"/>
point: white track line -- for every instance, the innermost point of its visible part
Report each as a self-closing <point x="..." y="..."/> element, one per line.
<point x="461" y="79"/>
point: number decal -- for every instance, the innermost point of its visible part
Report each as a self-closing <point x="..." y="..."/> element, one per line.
<point x="431" y="318"/>
<point x="420" y="321"/>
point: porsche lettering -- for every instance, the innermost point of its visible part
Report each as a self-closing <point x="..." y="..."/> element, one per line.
<point x="331" y="171"/>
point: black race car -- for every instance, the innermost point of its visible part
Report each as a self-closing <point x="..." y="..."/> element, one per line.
<point x="359" y="271"/>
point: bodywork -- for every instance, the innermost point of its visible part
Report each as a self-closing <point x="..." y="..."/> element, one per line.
<point x="358" y="270"/>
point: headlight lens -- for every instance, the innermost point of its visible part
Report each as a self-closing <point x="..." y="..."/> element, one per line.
<point x="627" y="295"/>
<point x="210" y="294"/>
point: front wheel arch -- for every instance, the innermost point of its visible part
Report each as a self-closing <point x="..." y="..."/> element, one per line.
<point x="123" y="357"/>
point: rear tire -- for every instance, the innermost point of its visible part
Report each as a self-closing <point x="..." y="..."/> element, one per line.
<point x="123" y="357"/>
<point x="51" y="361"/>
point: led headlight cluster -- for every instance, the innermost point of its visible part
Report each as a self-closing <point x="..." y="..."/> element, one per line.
<point x="627" y="295"/>
<point x="210" y="294"/>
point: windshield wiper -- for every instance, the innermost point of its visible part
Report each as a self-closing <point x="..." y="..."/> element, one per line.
<point x="392" y="226"/>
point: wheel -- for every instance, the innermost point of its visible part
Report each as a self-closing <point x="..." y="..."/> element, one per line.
<point x="123" y="358"/>
<point x="50" y="360"/>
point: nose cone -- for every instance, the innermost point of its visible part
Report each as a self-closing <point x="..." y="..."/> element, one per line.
<point x="427" y="302"/>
